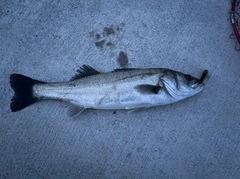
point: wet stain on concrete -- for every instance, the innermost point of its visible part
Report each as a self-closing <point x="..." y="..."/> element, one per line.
<point x="108" y="31"/>
<point x="122" y="59"/>
<point x="109" y="34"/>
<point x="100" y="43"/>
<point x="108" y="39"/>
<point x="98" y="36"/>
<point x="109" y="44"/>
<point x="120" y="27"/>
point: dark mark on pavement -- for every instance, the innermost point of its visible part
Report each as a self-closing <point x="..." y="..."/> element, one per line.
<point x="100" y="43"/>
<point x="122" y="59"/>
<point x="109" y="44"/>
<point x="108" y="31"/>
<point x="98" y="36"/>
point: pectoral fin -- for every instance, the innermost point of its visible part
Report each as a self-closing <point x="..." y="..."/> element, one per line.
<point x="148" y="89"/>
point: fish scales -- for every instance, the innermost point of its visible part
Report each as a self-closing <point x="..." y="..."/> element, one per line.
<point x="103" y="91"/>
<point x="119" y="89"/>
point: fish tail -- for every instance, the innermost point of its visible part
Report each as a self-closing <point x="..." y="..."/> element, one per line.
<point x="23" y="97"/>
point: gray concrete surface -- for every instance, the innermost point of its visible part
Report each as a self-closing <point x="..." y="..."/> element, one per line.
<point x="49" y="40"/>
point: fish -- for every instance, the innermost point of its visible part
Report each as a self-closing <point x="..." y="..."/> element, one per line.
<point x="127" y="88"/>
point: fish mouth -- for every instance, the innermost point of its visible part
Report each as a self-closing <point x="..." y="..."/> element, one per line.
<point x="199" y="83"/>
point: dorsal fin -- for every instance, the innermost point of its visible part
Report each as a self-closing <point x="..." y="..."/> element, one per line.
<point x="84" y="71"/>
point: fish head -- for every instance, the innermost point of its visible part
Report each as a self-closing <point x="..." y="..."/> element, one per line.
<point x="181" y="85"/>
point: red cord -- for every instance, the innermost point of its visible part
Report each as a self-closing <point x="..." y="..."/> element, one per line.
<point x="233" y="21"/>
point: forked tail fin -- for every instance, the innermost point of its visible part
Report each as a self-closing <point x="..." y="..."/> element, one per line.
<point x="23" y="96"/>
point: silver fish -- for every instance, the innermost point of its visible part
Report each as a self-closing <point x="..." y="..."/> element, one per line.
<point x="129" y="88"/>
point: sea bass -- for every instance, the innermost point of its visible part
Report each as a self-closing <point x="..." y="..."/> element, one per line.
<point x="129" y="88"/>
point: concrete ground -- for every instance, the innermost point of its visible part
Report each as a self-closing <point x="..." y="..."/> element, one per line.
<point x="49" y="40"/>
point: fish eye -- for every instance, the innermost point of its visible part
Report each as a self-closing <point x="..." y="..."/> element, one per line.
<point x="188" y="77"/>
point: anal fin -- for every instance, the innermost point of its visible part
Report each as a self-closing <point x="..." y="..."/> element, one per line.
<point x="74" y="110"/>
<point x="138" y="107"/>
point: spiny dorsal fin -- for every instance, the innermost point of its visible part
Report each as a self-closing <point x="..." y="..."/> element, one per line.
<point x="147" y="89"/>
<point x="84" y="71"/>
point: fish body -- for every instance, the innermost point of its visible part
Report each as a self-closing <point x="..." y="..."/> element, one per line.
<point x="120" y="89"/>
